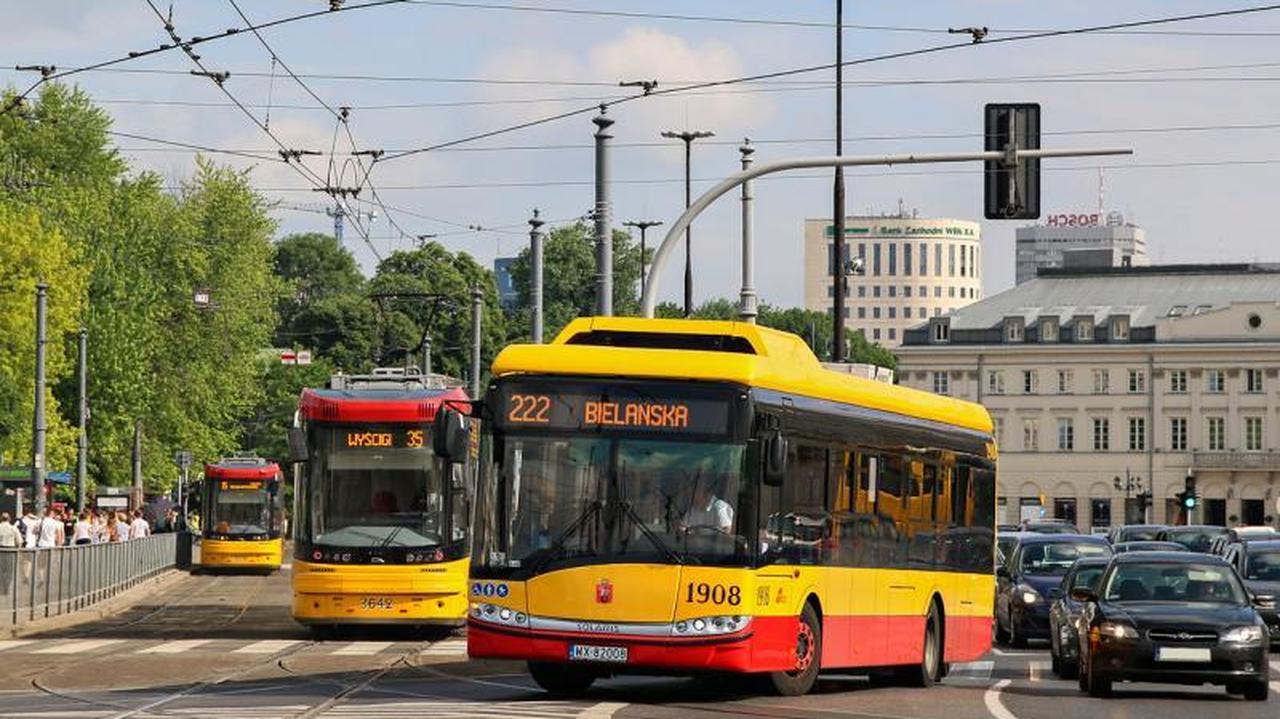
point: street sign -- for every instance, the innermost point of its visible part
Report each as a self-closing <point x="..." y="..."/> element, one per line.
<point x="15" y="473"/>
<point x="304" y="357"/>
<point x="288" y="357"/>
<point x="1011" y="186"/>
<point x="182" y="458"/>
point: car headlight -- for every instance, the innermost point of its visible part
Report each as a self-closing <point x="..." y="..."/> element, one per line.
<point x="1026" y="594"/>
<point x="1116" y="630"/>
<point x="1243" y="635"/>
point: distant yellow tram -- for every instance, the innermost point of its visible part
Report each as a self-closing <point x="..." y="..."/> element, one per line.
<point x="243" y="506"/>
<point x="381" y="531"/>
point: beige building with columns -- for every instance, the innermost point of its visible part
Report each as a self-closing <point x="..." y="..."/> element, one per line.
<point x="913" y="268"/>
<point x="1104" y="382"/>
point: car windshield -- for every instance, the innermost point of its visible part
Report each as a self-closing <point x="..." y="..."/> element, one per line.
<point x="1087" y="577"/>
<point x="595" y="498"/>
<point x="1264" y="566"/>
<point x="1197" y="540"/>
<point x="1055" y="558"/>
<point x="1170" y="582"/>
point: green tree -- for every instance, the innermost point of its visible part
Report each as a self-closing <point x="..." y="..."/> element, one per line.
<point x="569" y="277"/>
<point x="313" y="267"/>
<point x="266" y="427"/>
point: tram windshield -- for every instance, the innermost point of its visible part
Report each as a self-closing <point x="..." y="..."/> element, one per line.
<point x="373" y="488"/>
<point x="241" y="508"/>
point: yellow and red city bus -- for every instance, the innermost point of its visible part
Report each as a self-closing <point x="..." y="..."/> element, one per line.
<point x="243" y="508"/>
<point x="673" y="496"/>
<point x="381" y="525"/>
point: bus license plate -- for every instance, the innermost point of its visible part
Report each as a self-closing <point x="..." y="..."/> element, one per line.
<point x="376" y="603"/>
<point x="590" y="653"/>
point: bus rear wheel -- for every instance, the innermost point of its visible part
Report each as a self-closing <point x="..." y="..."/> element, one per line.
<point x="561" y="678"/>
<point x="929" y="671"/>
<point x="800" y="680"/>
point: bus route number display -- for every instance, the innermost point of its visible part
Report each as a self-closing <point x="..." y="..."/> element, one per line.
<point x="614" y="410"/>
<point x="384" y="439"/>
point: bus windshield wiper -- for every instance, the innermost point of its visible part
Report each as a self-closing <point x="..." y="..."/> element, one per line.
<point x="649" y="534"/>
<point x="558" y="544"/>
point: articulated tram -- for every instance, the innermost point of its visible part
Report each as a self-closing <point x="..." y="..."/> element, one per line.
<point x="679" y="497"/>
<point x="381" y="526"/>
<point x="243" y="506"/>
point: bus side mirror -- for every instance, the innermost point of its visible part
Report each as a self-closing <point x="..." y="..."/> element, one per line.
<point x="298" y="445"/>
<point x="775" y="459"/>
<point x="449" y="435"/>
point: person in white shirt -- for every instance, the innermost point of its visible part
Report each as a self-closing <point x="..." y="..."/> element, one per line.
<point x="139" y="528"/>
<point x="83" y="531"/>
<point x="10" y="537"/>
<point x="30" y="526"/>
<point x="708" y="510"/>
<point x="49" y="531"/>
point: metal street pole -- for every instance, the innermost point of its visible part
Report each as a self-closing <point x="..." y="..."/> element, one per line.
<point x="477" y="305"/>
<point x="747" y="309"/>
<point x="426" y="355"/>
<point x="39" y="426"/>
<point x="604" y="235"/>
<point x="688" y="136"/>
<point x="837" y="269"/>
<point x="642" y="225"/>
<point x="82" y="439"/>
<point x="535" y="279"/>
<point x="650" y="301"/>
<point x="136" y="499"/>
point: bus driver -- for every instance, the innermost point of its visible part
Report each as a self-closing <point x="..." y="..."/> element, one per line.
<point x="708" y="510"/>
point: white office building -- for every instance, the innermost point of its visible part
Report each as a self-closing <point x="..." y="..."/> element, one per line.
<point x="1081" y="240"/>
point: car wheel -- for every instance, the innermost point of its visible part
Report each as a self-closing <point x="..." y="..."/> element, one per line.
<point x="1257" y="691"/>
<point x="800" y="680"/>
<point x="1002" y="637"/>
<point x="1055" y="663"/>
<point x="1016" y="639"/>
<point x="1082" y="678"/>
<point x="561" y="678"/>
<point x="1070" y="669"/>
<point x="1099" y="685"/>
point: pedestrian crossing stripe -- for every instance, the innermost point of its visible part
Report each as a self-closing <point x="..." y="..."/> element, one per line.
<point x="14" y="643"/>
<point x="267" y="646"/>
<point x="77" y="647"/>
<point x="174" y="647"/>
<point x="972" y="670"/>
<point x="448" y="648"/>
<point x="444" y="709"/>
<point x="362" y="648"/>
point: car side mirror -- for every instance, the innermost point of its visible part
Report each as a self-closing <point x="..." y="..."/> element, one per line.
<point x="449" y="435"/>
<point x="1264" y="601"/>
<point x="298" y="445"/>
<point x="775" y="458"/>
<point x="1084" y="594"/>
<point x="1055" y="593"/>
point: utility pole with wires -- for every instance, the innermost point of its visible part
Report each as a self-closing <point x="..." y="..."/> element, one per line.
<point x="688" y="136"/>
<point x="838" y="348"/>
<point x="642" y="225"/>
<point x="603" y="232"/>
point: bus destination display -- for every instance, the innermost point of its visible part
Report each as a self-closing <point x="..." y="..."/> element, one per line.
<point x="382" y="439"/>
<point x="617" y="408"/>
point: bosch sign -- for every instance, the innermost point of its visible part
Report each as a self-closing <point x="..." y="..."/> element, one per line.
<point x="1082" y="220"/>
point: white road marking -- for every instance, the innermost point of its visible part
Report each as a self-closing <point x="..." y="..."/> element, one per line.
<point x="266" y="646"/>
<point x="452" y="647"/>
<point x="87" y="645"/>
<point x="972" y="670"/>
<point x="14" y="643"/>
<point x="992" y="699"/>
<point x="446" y="709"/>
<point x="362" y="648"/>
<point x="603" y="710"/>
<point x="174" y="647"/>
<point x="1037" y="669"/>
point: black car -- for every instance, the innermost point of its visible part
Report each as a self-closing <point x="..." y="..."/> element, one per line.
<point x="1148" y="546"/>
<point x="1171" y="618"/>
<point x="1050" y="526"/>
<point x="1196" y="537"/>
<point x="1065" y="612"/>
<point x="1135" y="533"/>
<point x="1258" y="564"/>
<point x="1029" y="574"/>
<point x="1237" y="535"/>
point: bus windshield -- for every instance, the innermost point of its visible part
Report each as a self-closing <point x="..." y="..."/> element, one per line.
<point x="373" y="488"/>
<point x="599" y="499"/>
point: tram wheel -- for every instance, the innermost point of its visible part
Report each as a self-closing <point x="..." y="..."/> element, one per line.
<point x="808" y="657"/>
<point x="561" y="678"/>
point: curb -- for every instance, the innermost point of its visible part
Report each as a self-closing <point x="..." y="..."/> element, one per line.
<point x="101" y="610"/>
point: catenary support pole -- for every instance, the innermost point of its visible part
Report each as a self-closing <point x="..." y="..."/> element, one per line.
<point x="643" y="226"/>
<point x="82" y="436"/>
<point x="535" y="278"/>
<point x="603" y="233"/>
<point x="650" y="300"/>
<point x="477" y="307"/>
<point x="39" y="426"/>
<point x="837" y="196"/>
<point x="747" y="302"/>
<point x="136" y="498"/>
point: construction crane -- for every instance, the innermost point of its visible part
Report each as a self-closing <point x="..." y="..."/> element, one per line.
<point x="337" y="212"/>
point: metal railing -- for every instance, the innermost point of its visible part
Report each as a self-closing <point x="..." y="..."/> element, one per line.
<point x="40" y="583"/>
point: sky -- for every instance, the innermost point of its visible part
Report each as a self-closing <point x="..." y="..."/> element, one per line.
<point x="1196" y="101"/>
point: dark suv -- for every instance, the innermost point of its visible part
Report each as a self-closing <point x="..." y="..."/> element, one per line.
<point x="1029" y="575"/>
<point x="1258" y="564"/>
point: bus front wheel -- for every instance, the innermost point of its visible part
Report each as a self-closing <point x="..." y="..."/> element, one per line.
<point x="561" y="678"/>
<point x="808" y="655"/>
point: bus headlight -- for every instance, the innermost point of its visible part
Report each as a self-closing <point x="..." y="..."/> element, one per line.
<point x="494" y="614"/>
<point x="710" y="626"/>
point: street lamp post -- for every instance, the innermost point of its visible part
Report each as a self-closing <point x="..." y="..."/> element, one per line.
<point x="688" y="136"/>
<point x="1131" y="485"/>
<point x="642" y="225"/>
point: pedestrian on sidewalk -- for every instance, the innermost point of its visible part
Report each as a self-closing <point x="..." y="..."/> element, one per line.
<point x="82" y="533"/>
<point x="10" y="537"/>
<point x="115" y="529"/>
<point x="29" y="524"/>
<point x="50" y="532"/>
<point x="139" y="528"/>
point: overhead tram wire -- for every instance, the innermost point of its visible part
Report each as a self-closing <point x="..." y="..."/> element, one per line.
<point x="829" y="66"/>
<point x="186" y="46"/>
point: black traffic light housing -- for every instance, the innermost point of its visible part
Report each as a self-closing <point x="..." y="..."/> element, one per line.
<point x="1188" y="496"/>
<point x="1011" y="187"/>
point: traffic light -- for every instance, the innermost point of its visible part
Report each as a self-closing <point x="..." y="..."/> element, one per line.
<point x="1011" y="188"/>
<point x="1188" y="496"/>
